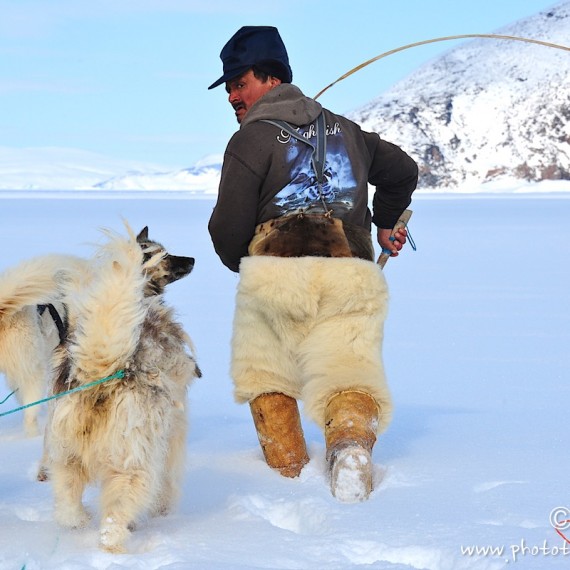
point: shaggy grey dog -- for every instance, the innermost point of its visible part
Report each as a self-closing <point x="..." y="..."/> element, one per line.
<point x="129" y="433"/>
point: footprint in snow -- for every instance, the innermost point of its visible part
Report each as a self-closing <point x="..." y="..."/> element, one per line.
<point x="306" y="516"/>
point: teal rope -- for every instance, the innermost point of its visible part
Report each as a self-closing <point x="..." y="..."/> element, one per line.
<point x="119" y="374"/>
<point x="7" y="397"/>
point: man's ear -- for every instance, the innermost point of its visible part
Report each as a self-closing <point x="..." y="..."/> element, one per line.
<point x="274" y="81"/>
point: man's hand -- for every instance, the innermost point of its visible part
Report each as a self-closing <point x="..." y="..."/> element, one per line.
<point x="390" y="243"/>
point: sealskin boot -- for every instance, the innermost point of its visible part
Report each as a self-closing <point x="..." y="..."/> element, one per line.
<point x="278" y="425"/>
<point x="351" y="423"/>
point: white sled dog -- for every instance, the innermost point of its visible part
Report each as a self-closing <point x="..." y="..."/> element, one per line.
<point x="31" y="325"/>
<point x="128" y="434"/>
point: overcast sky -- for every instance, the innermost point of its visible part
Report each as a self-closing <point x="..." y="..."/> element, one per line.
<point x="128" y="78"/>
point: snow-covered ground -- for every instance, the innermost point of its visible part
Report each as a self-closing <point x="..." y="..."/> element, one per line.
<point x="476" y="351"/>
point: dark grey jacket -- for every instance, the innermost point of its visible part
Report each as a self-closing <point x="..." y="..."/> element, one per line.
<point x="267" y="173"/>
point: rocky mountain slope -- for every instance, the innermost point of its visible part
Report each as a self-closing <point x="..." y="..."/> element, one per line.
<point x="487" y="110"/>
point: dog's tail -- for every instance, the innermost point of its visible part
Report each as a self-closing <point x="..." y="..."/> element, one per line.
<point x="35" y="281"/>
<point x="107" y="313"/>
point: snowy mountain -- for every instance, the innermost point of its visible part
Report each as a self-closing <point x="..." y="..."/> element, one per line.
<point x="56" y="168"/>
<point x="72" y="169"/>
<point x="203" y="177"/>
<point x="487" y="110"/>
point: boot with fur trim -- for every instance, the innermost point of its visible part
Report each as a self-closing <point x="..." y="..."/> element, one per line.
<point x="351" y="423"/>
<point x="278" y="425"/>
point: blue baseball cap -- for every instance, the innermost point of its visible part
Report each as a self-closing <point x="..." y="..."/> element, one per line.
<point x="261" y="46"/>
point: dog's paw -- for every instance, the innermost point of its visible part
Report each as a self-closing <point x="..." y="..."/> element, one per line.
<point x="112" y="549"/>
<point x="161" y="509"/>
<point x="43" y="474"/>
<point x="74" y="518"/>
<point x="112" y="536"/>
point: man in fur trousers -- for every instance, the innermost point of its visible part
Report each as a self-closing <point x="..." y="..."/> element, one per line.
<point x="292" y="218"/>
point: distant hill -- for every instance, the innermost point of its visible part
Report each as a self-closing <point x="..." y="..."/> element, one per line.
<point x="203" y="177"/>
<point x="57" y="168"/>
<point x="72" y="169"/>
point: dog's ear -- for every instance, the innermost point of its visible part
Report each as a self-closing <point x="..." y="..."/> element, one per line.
<point x="143" y="235"/>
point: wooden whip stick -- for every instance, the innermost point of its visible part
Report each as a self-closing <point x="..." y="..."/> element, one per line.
<point x="401" y="223"/>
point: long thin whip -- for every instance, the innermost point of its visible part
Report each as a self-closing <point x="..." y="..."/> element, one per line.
<point x="434" y="40"/>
